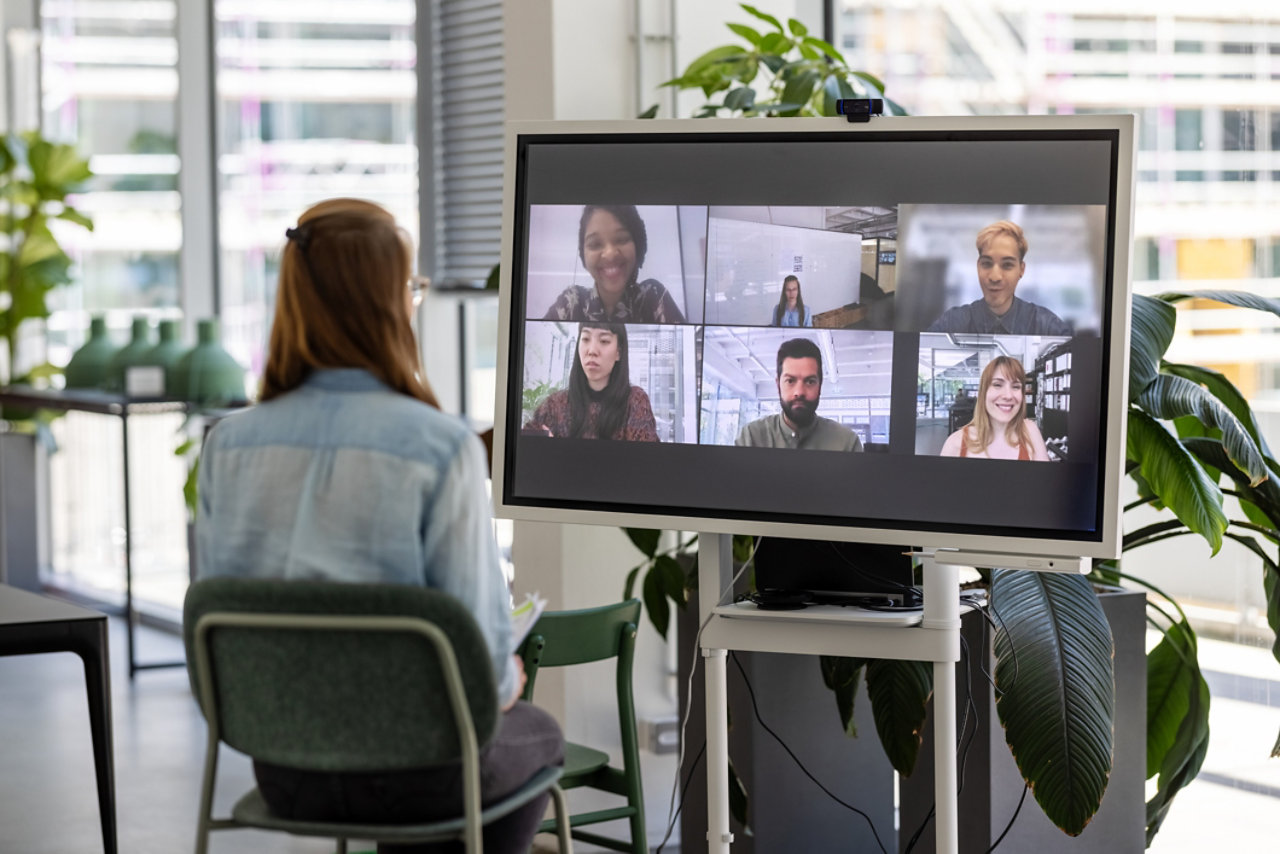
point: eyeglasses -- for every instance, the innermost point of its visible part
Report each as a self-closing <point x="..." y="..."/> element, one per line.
<point x="418" y="288"/>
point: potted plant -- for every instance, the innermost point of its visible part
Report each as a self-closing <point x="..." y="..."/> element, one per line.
<point x="36" y="176"/>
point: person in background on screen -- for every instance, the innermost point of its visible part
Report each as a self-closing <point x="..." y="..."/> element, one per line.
<point x="799" y="425"/>
<point x="601" y="402"/>
<point x="791" y="310"/>
<point x="999" y="429"/>
<point x="612" y="244"/>
<point x="1001" y="250"/>
<point x="348" y="471"/>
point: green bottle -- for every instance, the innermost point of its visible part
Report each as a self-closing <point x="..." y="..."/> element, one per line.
<point x="88" y="366"/>
<point x="208" y="374"/>
<point x="167" y="354"/>
<point x="130" y="354"/>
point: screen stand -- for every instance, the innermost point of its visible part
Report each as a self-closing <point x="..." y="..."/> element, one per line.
<point x="936" y="639"/>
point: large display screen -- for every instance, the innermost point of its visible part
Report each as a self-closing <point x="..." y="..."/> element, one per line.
<point x="911" y="332"/>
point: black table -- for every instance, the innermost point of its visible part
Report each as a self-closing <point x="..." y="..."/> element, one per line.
<point x="32" y="624"/>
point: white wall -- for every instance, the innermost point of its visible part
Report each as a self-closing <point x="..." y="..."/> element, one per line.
<point x="575" y="59"/>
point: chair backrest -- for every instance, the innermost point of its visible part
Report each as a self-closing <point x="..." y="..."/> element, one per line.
<point x="562" y="638"/>
<point x="363" y="686"/>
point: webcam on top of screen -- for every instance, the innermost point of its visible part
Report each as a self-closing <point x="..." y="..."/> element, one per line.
<point x="860" y="110"/>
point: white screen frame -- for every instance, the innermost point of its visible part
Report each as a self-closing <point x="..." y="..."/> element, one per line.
<point x="1108" y="541"/>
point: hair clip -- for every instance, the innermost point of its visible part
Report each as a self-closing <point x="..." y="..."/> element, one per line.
<point x="300" y="235"/>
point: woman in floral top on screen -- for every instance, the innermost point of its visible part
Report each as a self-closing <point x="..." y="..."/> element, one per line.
<point x="612" y="244"/>
<point x="601" y="402"/>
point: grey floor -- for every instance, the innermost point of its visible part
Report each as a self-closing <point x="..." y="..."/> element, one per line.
<point x="48" y="800"/>
<point x="48" y="794"/>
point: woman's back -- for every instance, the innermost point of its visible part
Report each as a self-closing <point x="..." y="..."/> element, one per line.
<point x="344" y="479"/>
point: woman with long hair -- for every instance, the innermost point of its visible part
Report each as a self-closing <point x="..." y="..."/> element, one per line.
<point x="348" y="471"/>
<point x="601" y="402"/>
<point x="612" y="244"/>
<point x="1000" y="429"/>
<point x="790" y="310"/>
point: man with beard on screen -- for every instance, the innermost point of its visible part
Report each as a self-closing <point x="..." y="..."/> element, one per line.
<point x="799" y="425"/>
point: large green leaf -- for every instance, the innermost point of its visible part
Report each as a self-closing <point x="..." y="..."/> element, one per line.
<point x="56" y="168"/>
<point x="800" y="87"/>
<point x="751" y="35"/>
<point x="1182" y="762"/>
<point x="645" y="539"/>
<point x="1271" y="587"/>
<point x="842" y="676"/>
<point x="899" y="693"/>
<point x="1225" y="391"/>
<point x="1056" y="689"/>
<point x="1171" y="675"/>
<point x="1265" y="495"/>
<point x="1170" y="396"/>
<point x="1153" y="322"/>
<point x="764" y="16"/>
<point x="655" y="601"/>
<point x="824" y="47"/>
<point x="1175" y="476"/>
<point x="1240" y="299"/>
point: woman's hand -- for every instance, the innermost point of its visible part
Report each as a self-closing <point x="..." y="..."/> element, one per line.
<point x="521" y="679"/>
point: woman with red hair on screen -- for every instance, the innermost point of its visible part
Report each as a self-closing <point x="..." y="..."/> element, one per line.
<point x="999" y="429"/>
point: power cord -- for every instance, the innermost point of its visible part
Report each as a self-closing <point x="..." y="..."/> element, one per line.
<point x="684" y="790"/>
<point x="756" y="709"/>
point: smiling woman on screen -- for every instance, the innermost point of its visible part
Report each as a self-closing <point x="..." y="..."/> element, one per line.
<point x="612" y="244"/>
<point x="999" y="429"/>
<point x="601" y="402"/>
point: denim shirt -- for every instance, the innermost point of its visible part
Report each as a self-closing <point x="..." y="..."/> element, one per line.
<point x="347" y="480"/>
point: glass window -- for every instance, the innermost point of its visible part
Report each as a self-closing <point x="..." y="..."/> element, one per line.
<point x="1188" y="134"/>
<point x="1238" y="130"/>
<point x="315" y="100"/>
<point x="109" y="84"/>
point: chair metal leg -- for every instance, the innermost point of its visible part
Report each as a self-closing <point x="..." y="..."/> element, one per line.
<point x="342" y="846"/>
<point x="562" y="820"/>
<point x="204" y="820"/>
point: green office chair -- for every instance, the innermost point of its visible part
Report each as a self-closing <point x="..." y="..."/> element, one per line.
<point x="327" y="676"/>
<point x="575" y="637"/>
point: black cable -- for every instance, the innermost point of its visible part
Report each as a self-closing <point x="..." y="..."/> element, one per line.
<point x="995" y="613"/>
<point x="756" y="709"/>
<point x="1009" y="826"/>
<point x="683" y="791"/>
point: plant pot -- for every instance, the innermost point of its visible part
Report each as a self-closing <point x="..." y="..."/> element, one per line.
<point x="23" y="495"/>
<point x="208" y="374"/>
<point x="992" y="783"/>
<point x="88" y="366"/>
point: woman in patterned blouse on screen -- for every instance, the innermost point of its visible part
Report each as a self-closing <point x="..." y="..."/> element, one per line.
<point x="612" y="244"/>
<point x="601" y="402"/>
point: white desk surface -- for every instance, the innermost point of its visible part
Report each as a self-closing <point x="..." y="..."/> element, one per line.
<point x="840" y="614"/>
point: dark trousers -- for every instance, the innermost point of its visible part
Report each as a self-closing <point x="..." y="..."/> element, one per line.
<point x="528" y="739"/>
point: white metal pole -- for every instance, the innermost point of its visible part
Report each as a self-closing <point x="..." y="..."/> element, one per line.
<point x="942" y="613"/>
<point x="718" y="835"/>
<point x="715" y="569"/>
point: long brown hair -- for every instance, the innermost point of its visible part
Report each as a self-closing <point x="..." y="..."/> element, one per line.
<point x="781" y="308"/>
<point x="341" y="301"/>
<point x="1015" y="431"/>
